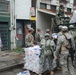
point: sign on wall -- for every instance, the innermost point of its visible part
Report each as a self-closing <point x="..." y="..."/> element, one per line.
<point x="32" y="11"/>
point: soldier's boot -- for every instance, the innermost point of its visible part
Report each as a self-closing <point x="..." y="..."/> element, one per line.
<point x="46" y="73"/>
<point x="59" y="68"/>
<point x="51" y="72"/>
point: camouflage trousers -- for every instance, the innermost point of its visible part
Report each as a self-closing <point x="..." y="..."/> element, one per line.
<point x="75" y="61"/>
<point x="66" y="63"/>
<point x="45" y="63"/>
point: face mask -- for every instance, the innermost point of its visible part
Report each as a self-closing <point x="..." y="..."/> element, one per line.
<point x="47" y="38"/>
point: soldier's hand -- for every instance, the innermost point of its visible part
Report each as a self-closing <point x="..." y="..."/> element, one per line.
<point x="57" y="57"/>
<point x="38" y="43"/>
<point x="32" y="45"/>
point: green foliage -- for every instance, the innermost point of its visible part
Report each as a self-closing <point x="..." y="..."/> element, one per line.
<point x="19" y="50"/>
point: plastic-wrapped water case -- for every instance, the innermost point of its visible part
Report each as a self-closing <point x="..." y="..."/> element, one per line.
<point x="32" y="59"/>
<point x="24" y="73"/>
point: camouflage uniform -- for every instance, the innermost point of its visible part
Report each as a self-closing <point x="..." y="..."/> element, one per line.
<point x="37" y="37"/>
<point x="74" y="36"/>
<point x="61" y="14"/>
<point x="46" y="55"/>
<point x="59" y="34"/>
<point x="71" y="32"/>
<point x="65" y="59"/>
<point x="29" y="39"/>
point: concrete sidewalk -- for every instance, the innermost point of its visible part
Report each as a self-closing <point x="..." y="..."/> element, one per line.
<point x="10" y="59"/>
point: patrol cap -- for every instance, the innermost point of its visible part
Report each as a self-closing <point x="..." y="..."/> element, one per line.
<point x="38" y="29"/>
<point x="62" y="5"/>
<point x="60" y="27"/>
<point x="71" y="26"/>
<point x="47" y="34"/>
<point x="31" y="29"/>
<point x="47" y="30"/>
<point x="64" y="28"/>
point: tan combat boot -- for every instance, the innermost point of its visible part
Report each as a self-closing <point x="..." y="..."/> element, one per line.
<point x="51" y="72"/>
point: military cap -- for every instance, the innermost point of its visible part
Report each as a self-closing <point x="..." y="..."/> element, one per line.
<point x="38" y="29"/>
<point x="71" y="26"/>
<point x="47" y="30"/>
<point x="62" y="5"/>
<point x="64" y="28"/>
<point x="31" y="29"/>
<point x="47" y="34"/>
<point x="60" y="27"/>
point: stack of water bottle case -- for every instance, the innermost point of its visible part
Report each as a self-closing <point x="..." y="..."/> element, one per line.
<point x="32" y="59"/>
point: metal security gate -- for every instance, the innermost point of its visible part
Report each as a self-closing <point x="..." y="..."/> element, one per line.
<point x="4" y="35"/>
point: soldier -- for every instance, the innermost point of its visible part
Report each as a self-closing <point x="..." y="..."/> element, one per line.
<point x="54" y="64"/>
<point x="61" y="10"/>
<point x="47" y="53"/>
<point x="58" y="35"/>
<point x="71" y="32"/>
<point x="65" y="59"/>
<point x="38" y="36"/>
<point x="61" y="13"/>
<point x="29" y="39"/>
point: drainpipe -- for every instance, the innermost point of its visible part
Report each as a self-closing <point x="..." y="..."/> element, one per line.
<point x="14" y="21"/>
<point x="13" y="25"/>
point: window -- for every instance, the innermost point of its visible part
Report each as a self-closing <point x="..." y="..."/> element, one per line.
<point x="53" y="7"/>
<point x="4" y="7"/>
<point x="42" y="5"/>
<point x="74" y="2"/>
<point x="33" y="3"/>
<point x="69" y="10"/>
<point x="2" y="0"/>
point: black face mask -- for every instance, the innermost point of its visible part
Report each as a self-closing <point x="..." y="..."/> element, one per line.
<point x="47" y="37"/>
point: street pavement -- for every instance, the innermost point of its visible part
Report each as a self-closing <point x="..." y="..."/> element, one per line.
<point x="13" y="71"/>
<point x="13" y="58"/>
<point x="17" y="70"/>
<point x="10" y="59"/>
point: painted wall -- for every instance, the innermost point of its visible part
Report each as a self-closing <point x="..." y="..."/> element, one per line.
<point x="19" y="9"/>
<point x="55" y="2"/>
<point x="43" y="22"/>
<point x="22" y="9"/>
<point x="70" y="4"/>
